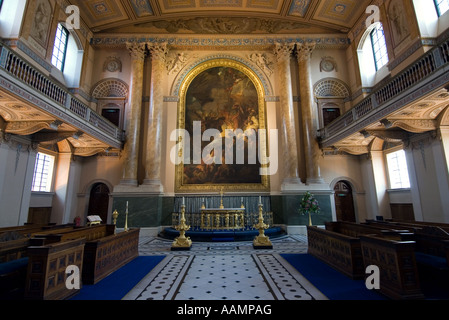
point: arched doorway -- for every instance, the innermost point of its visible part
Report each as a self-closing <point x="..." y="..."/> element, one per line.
<point x="344" y="202"/>
<point x="99" y="201"/>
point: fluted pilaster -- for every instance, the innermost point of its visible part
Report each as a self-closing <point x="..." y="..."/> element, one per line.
<point x="289" y="150"/>
<point x="154" y="137"/>
<point x="311" y="147"/>
<point x="134" y="112"/>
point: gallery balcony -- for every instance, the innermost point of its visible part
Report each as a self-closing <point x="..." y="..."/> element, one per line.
<point x="35" y="105"/>
<point x="411" y="102"/>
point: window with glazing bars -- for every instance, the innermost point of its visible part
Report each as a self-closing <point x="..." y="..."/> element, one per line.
<point x="442" y="6"/>
<point x="43" y="173"/>
<point x="60" y="47"/>
<point x="379" y="46"/>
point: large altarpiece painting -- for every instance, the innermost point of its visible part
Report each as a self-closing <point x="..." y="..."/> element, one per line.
<point x="227" y="97"/>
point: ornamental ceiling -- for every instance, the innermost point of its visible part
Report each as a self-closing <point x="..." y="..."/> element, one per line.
<point x="221" y="16"/>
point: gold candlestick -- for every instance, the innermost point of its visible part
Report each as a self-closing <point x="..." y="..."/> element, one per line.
<point x="221" y="201"/>
<point x="261" y="241"/>
<point x="182" y="242"/>
<point x="114" y="217"/>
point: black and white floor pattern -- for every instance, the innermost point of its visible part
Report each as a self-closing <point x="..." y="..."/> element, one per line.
<point x="224" y="271"/>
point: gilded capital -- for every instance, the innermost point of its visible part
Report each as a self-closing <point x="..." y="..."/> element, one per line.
<point x="137" y="50"/>
<point x="283" y="51"/>
<point x="304" y="50"/>
<point x="158" y="51"/>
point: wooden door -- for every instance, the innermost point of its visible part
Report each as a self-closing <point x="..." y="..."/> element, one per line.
<point x="99" y="201"/>
<point x="344" y="202"/>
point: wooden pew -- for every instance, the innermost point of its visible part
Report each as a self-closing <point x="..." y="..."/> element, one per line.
<point x="105" y="255"/>
<point x="29" y="229"/>
<point x="14" y="245"/>
<point x="13" y="249"/>
<point x="105" y="251"/>
<point x="339" y="244"/>
<point x="89" y="233"/>
<point x="355" y="229"/>
<point x="431" y="241"/>
<point x="46" y="274"/>
<point x="340" y="251"/>
<point x="399" y="277"/>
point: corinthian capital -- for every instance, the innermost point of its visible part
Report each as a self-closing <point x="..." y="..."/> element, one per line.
<point x="304" y="50"/>
<point x="158" y="51"/>
<point x="283" y="51"/>
<point x="136" y="49"/>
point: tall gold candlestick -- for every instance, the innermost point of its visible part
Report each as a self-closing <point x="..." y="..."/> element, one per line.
<point x="182" y="242"/>
<point x="114" y="217"/>
<point x="261" y="241"/>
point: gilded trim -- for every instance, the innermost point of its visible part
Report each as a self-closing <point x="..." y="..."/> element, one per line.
<point x="264" y="186"/>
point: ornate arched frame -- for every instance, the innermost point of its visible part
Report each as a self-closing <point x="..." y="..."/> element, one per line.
<point x="119" y="89"/>
<point x="330" y="93"/>
<point x="264" y="186"/>
<point x="178" y="83"/>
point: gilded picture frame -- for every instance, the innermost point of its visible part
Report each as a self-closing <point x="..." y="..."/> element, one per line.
<point x="263" y="182"/>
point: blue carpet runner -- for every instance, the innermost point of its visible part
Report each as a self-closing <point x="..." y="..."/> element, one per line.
<point x="118" y="284"/>
<point x="333" y="284"/>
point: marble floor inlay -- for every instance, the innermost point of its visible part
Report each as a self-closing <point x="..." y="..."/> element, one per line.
<point x="224" y="271"/>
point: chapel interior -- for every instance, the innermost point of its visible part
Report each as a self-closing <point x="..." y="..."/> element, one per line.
<point x="199" y="121"/>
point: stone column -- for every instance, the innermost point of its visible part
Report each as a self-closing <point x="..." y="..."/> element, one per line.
<point x="153" y="150"/>
<point x="289" y="151"/>
<point x="309" y="129"/>
<point x="134" y="113"/>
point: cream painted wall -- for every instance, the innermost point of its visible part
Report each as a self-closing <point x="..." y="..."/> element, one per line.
<point x="429" y="179"/>
<point x="16" y="173"/>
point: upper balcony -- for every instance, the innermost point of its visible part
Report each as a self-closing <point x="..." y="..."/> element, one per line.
<point x="413" y="101"/>
<point x="32" y="104"/>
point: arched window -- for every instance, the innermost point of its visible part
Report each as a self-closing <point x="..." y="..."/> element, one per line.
<point x="60" y="47"/>
<point x="67" y="47"/>
<point x="11" y="16"/>
<point x="397" y="170"/>
<point x="379" y="46"/>
<point x="373" y="55"/>
<point x="432" y="17"/>
<point x="442" y="6"/>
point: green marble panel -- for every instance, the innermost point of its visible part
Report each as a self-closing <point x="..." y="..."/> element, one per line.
<point x="142" y="211"/>
<point x="286" y="210"/>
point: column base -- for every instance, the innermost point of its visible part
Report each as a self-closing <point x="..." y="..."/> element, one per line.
<point x="315" y="181"/>
<point x="129" y="182"/>
<point x="292" y="184"/>
<point x="152" y="186"/>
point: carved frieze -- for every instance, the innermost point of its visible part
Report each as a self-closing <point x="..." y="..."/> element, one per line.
<point x="224" y="25"/>
<point x="263" y="60"/>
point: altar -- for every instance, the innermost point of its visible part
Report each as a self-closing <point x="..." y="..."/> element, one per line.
<point x="218" y="218"/>
<point x="222" y="219"/>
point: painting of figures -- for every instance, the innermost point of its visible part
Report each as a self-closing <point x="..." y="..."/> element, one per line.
<point x="226" y="100"/>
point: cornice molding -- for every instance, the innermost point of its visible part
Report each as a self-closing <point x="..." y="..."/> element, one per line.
<point x="222" y="42"/>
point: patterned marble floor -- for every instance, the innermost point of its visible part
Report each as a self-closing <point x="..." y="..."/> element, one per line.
<point x="224" y="271"/>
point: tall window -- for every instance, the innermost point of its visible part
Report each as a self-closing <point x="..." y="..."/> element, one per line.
<point x="442" y="6"/>
<point x="397" y="169"/>
<point x="379" y="46"/>
<point x="60" y="47"/>
<point x="43" y="173"/>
